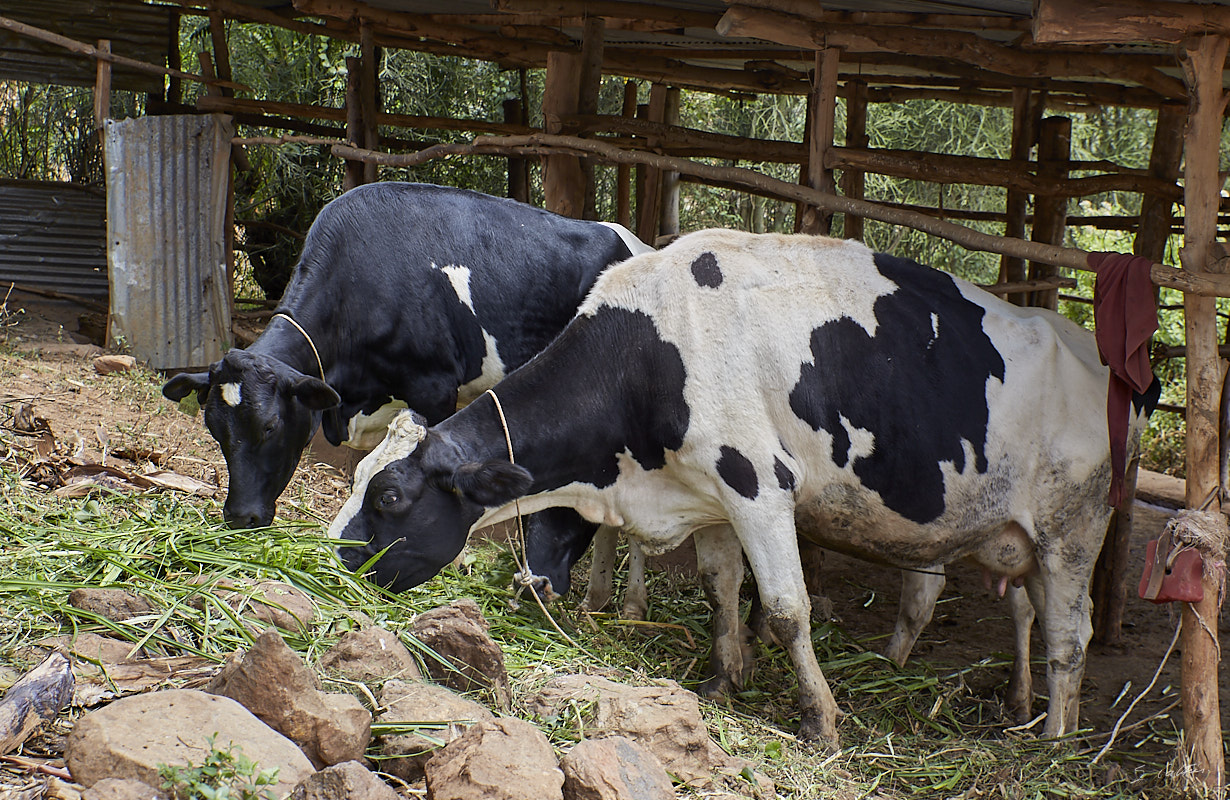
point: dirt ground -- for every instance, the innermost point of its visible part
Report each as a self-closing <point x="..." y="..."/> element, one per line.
<point x="54" y="374"/>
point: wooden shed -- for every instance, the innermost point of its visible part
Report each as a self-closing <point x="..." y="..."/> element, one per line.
<point x="1027" y="55"/>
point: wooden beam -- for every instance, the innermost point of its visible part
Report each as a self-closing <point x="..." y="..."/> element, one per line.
<point x="1050" y="211"/>
<point x="613" y="8"/>
<point x="355" y="170"/>
<point x="589" y="85"/>
<point x="1203" y="60"/>
<point x="518" y="168"/>
<point x="649" y="205"/>
<point x="623" y="173"/>
<point x="1183" y="280"/>
<point x="1165" y="161"/>
<point x="809" y="9"/>
<point x="820" y="143"/>
<point x="102" y="87"/>
<point x="669" y="224"/>
<point x="852" y="180"/>
<point x="1026" y="117"/>
<point x="1103" y="22"/>
<point x="369" y="96"/>
<point x="562" y="181"/>
<point x="968" y="48"/>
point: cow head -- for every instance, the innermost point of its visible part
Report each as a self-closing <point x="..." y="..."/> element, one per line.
<point x="415" y="498"/>
<point x="262" y="412"/>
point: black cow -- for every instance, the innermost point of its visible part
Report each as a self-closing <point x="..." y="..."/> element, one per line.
<point x="408" y="292"/>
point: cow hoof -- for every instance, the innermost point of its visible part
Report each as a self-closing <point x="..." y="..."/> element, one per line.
<point x="717" y="687"/>
<point x="818" y="731"/>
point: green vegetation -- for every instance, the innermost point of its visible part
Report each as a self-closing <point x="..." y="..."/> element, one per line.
<point x="224" y="774"/>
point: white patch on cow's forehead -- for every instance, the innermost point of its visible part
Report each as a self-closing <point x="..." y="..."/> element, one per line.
<point x="459" y="277"/>
<point x="231" y="394"/>
<point x="404" y="435"/>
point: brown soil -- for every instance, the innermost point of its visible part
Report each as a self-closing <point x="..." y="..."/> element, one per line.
<point x="92" y="416"/>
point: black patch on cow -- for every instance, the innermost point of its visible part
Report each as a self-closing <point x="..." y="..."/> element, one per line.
<point x="706" y="271"/>
<point x="919" y="391"/>
<point x="607" y="385"/>
<point x="738" y="472"/>
<point x="785" y="478"/>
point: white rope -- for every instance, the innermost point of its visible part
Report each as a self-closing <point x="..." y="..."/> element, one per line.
<point x="311" y="344"/>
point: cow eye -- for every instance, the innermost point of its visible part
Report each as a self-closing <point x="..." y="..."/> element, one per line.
<point x="388" y="498"/>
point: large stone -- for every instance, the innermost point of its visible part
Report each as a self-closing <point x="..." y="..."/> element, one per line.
<point x="458" y="633"/>
<point x="614" y="768"/>
<point x="349" y="780"/>
<point x="122" y="789"/>
<point x="664" y="718"/>
<point x="116" y="605"/>
<point x="276" y="686"/>
<point x="132" y="736"/>
<point x="501" y="759"/>
<point x="273" y="602"/>
<point x="370" y="654"/>
<point x="448" y="716"/>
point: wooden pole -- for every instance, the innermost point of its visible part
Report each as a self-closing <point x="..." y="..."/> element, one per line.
<point x="1050" y="211"/>
<point x="649" y="209"/>
<point x="207" y="68"/>
<point x="1203" y="59"/>
<point x="824" y="89"/>
<point x="852" y="180"/>
<point x="354" y="121"/>
<point x="102" y="89"/>
<point x="623" y="174"/>
<point x="800" y="209"/>
<point x="590" y="85"/>
<point x="670" y="179"/>
<point x="562" y="181"/>
<point x="369" y="96"/>
<point x="1026" y="117"/>
<point x="518" y="168"/>
<point x="174" y="92"/>
<point x="1165" y="161"/>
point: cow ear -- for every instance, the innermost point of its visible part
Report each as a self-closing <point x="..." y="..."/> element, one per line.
<point x="178" y="387"/>
<point x="315" y="393"/>
<point x="491" y="483"/>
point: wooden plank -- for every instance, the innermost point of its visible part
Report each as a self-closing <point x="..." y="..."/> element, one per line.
<point x="518" y="168"/>
<point x="369" y="96"/>
<point x="649" y="207"/>
<point x="562" y="181"/>
<point x="590" y="84"/>
<point x="1122" y="21"/>
<point x="819" y="174"/>
<point x="1050" y="211"/>
<point x="612" y="8"/>
<point x="852" y="180"/>
<point x="623" y="173"/>
<point x="669" y="224"/>
<point x="102" y="87"/>
<point x="1203" y="60"/>
<point x="354" y="121"/>
<point x="1026" y="117"/>
<point x="1165" y="160"/>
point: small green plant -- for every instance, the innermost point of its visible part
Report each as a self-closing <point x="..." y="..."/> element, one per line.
<point x="226" y="774"/>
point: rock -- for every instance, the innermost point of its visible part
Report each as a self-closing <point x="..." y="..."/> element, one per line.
<point x="105" y="365"/>
<point x="407" y="701"/>
<point x="268" y="601"/>
<point x="500" y="759"/>
<point x="122" y="789"/>
<point x="92" y="647"/>
<point x="349" y="780"/>
<point x="458" y="632"/>
<point x="614" y="768"/>
<point x="116" y="605"/>
<point x="370" y="654"/>
<point x="130" y="737"/>
<point x="665" y="718"/>
<point x="276" y="686"/>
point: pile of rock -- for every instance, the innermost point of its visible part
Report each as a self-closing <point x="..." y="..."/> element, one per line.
<point x="270" y="706"/>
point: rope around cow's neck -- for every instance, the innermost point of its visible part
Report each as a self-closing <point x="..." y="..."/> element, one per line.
<point x="523" y="566"/>
<point x="311" y="344"/>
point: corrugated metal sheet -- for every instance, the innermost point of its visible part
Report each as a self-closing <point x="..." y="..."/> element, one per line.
<point x="136" y="30"/>
<point x="166" y="213"/>
<point x="53" y="236"/>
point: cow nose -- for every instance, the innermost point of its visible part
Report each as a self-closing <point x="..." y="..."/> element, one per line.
<point x="240" y="520"/>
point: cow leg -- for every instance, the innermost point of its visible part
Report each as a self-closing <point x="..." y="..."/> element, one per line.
<point x="1067" y="626"/>
<point x="601" y="569"/>
<point x="773" y="552"/>
<point x="719" y="564"/>
<point x="919" y="591"/>
<point x="636" y="597"/>
<point x="1020" y="697"/>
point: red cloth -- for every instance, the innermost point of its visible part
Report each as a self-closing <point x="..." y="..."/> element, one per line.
<point x="1124" y="318"/>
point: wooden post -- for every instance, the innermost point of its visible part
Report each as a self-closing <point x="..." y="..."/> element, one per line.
<point x="824" y="89"/>
<point x="623" y="173"/>
<point x="587" y="98"/>
<point x="670" y="180"/>
<point x="1203" y="59"/>
<point x="800" y="209"/>
<point x="649" y="202"/>
<point x="173" y="58"/>
<point x="369" y="97"/>
<point x="222" y="70"/>
<point x="562" y="180"/>
<point x="1027" y="109"/>
<point x="518" y="168"/>
<point x="102" y="89"/>
<point x="354" y="121"/>
<point x="852" y="180"/>
<point x="1111" y="578"/>
<point x="1050" y="211"/>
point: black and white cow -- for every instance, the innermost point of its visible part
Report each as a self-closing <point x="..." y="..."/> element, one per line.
<point x="423" y="294"/>
<point x="746" y="390"/>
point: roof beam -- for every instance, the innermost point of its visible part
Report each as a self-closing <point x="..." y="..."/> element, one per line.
<point x="1125" y="21"/>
